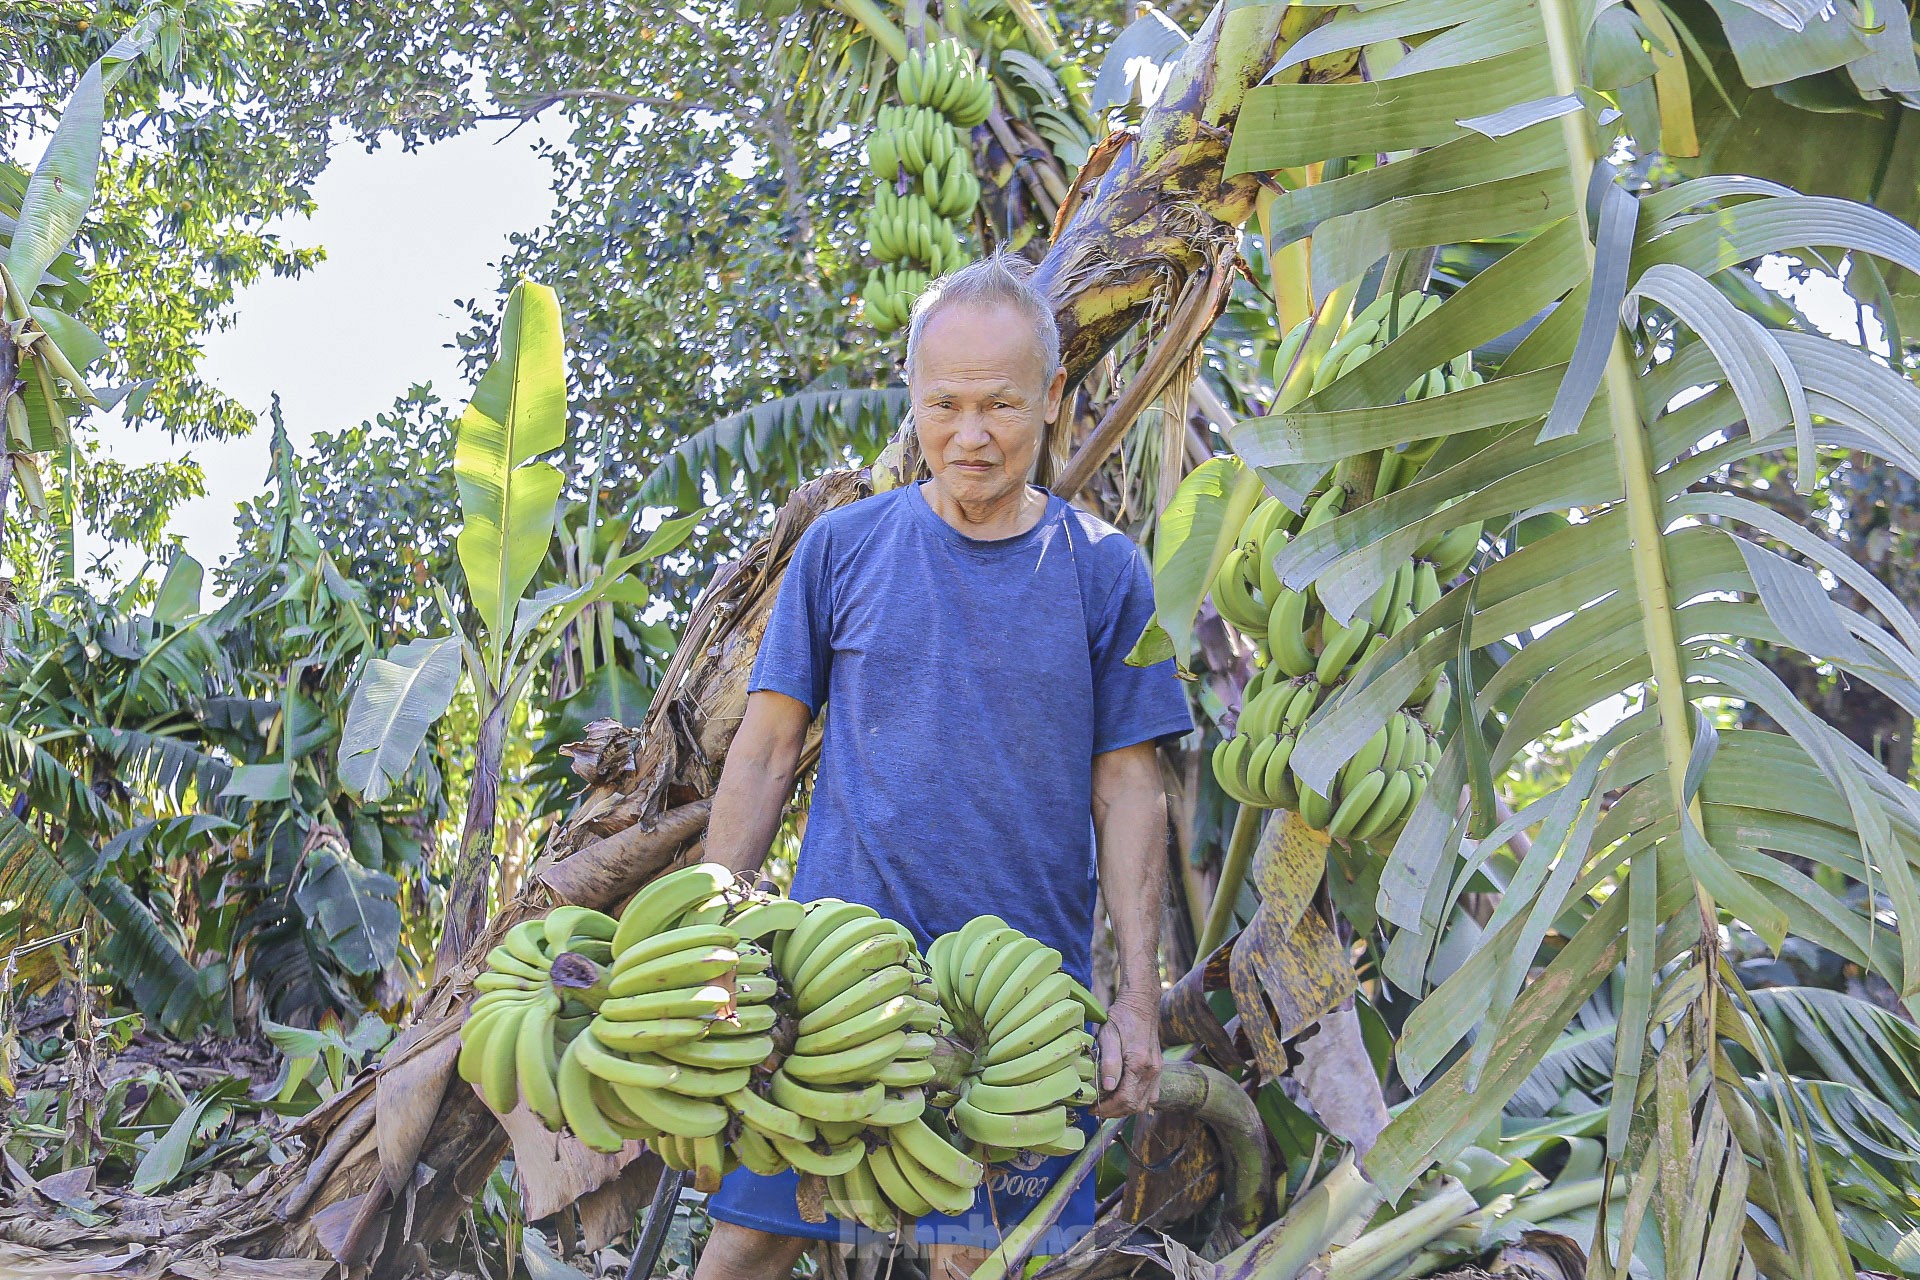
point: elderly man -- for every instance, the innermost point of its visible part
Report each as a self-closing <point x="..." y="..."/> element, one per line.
<point x="987" y="748"/>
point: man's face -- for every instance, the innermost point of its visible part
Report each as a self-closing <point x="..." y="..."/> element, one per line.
<point x="981" y="400"/>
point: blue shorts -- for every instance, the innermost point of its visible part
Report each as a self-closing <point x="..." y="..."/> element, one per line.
<point x="767" y="1203"/>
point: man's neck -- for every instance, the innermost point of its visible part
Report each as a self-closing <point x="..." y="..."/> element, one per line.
<point x="1006" y="517"/>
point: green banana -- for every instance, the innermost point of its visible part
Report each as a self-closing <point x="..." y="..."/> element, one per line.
<point x="835" y="945"/>
<point x="658" y="905"/>
<point x="1370" y="757"/>
<point x="568" y="921"/>
<point x="862" y="1197"/>
<point x="862" y="1027"/>
<point x="1339" y="646"/>
<point x="1000" y="967"/>
<point x="1051" y="989"/>
<point x="654" y="1033"/>
<point x="1035" y="1095"/>
<point x="491" y="980"/>
<point x="1054" y="1020"/>
<point x="1032" y="971"/>
<point x="673" y="1113"/>
<point x="682" y="1002"/>
<point x="872" y="991"/>
<point x="903" y="1074"/>
<point x="1315" y="809"/>
<point x="1090" y="1003"/>
<point x="769" y="1118"/>
<point x="1287" y="633"/>
<point x="501" y="960"/>
<point x="537" y="1062"/>
<point x="716" y="1053"/>
<point x="1233" y="595"/>
<point x="1018" y="1130"/>
<point x="526" y="942"/>
<point x="573" y="1086"/>
<point x="823" y="916"/>
<point x="692" y="967"/>
<point x="847" y="1066"/>
<point x="829" y="1104"/>
<point x="1039" y="1063"/>
<point x="974" y="963"/>
<point x="756" y="1153"/>
<point x="1068" y="1143"/>
<point x="930" y="1150"/>
<point x="894" y="1185"/>
<point x="849" y="967"/>
<point x="809" y="1158"/>
<point x="898" y="1107"/>
<point x="1275" y="785"/>
<point x="1388" y="807"/>
<point x="1354" y="803"/>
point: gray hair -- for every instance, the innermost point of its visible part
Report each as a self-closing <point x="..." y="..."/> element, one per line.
<point x="1007" y="279"/>
<point x="1003" y="279"/>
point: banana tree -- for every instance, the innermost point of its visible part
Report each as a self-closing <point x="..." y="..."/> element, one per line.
<point x="44" y="350"/>
<point x="1641" y="383"/>
<point x="508" y="497"/>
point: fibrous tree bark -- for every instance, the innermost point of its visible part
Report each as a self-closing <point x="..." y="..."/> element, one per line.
<point x="392" y="1162"/>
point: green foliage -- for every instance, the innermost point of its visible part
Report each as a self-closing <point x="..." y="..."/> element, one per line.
<point x="177" y="795"/>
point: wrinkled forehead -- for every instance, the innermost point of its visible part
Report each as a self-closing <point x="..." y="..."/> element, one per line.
<point x="976" y="344"/>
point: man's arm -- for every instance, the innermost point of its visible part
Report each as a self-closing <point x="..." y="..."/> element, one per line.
<point x="1130" y="824"/>
<point x="756" y="780"/>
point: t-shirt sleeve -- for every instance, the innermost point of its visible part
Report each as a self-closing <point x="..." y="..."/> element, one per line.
<point x="1132" y="705"/>
<point x="796" y="652"/>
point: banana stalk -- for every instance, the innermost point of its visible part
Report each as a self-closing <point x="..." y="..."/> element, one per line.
<point x="1225" y="1108"/>
<point x="576" y="976"/>
<point x="1233" y="872"/>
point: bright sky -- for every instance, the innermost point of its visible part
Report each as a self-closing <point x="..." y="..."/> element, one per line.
<point x="405" y="234"/>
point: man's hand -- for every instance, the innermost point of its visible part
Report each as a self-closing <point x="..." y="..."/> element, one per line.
<point x="1129" y="1057"/>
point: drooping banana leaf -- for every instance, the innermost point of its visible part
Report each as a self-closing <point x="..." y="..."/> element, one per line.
<point x="395" y="702"/>
<point x="61" y="189"/>
<point x="1641" y="385"/>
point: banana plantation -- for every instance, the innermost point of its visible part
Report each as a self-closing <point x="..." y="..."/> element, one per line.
<point x="1509" y="399"/>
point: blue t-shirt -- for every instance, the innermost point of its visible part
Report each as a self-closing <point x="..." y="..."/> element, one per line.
<point x="969" y="684"/>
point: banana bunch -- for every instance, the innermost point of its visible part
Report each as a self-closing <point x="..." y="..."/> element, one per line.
<point x="1303" y="652"/>
<point x="522" y="1021"/>
<point x="923" y="143"/>
<point x="912" y="138"/>
<point x="849" y="1101"/>
<point x="1007" y="994"/>
<point x="944" y="76"/>
<point x="911" y="1169"/>
<point x="684" y="1016"/>
<point x="867" y="1016"/>
<point x="908" y="227"/>
<point x="889" y="296"/>
<point x="1377" y="324"/>
<point x="952" y="190"/>
<point x="1373" y="791"/>
<point x="1307" y="652"/>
